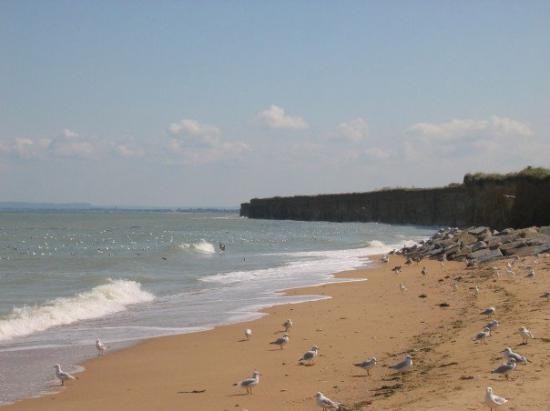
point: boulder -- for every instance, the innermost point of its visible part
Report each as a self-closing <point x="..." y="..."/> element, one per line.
<point x="484" y="255"/>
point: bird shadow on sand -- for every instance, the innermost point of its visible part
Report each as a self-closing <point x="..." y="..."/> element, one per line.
<point x="360" y="376"/>
<point x="243" y="340"/>
<point x="275" y="349"/>
<point x="239" y="394"/>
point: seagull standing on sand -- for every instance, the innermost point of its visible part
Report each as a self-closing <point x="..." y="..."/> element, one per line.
<point x="385" y="259"/>
<point x="281" y="341"/>
<point x="525" y="334"/>
<point x="396" y="269"/>
<point x="326" y="403"/>
<point x="62" y="375"/>
<point x="404" y="365"/>
<point x="309" y="356"/>
<point x="249" y="383"/>
<point x="508" y="354"/>
<point x="100" y="347"/>
<point x="402" y="287"/>
<point x="288" y="325"/>
<point x="248" y="333"/>
<point x="367" y="364"/>
<point x="505" y="369"/>
<point x="476" y="290"/>
<point x="482" y="335"/>
<point x="493" y="400"/>
<point x="489" y="311"/>
<point x="492" y="325"/>
<point x="546" y="295"/>
<point x="424" y="271"/>
<point x="531" y="272"/>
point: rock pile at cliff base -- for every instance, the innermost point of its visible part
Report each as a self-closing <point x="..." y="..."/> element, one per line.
<point x="475" y="245"/>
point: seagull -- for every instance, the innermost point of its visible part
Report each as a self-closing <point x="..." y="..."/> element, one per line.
<point x="476" y="290"/>
<point x="492" y="325"/>
<point x="249" y="383"/>
<point x="326" y="403"/>
<point x="402" y="287"/>
<point x="531" y="273"/>
<point x="404" y="365"/>
<point x="100" y="347"/>
<point x="309" y="356"/>
<point x="509" y="355"/>
<point x="526" y="334"/>
<point x="482" y="335"/>
<point x="281" y="341"/>
<point x="385" y="259"/>
<point x="424" y="271"/>
<point x="367" y="364"/>
<point x="62" y="375"/>
<point x="489" y="311"/>
<point x="505" y="369"/>
<point x="546" y="295"/>
<point x="288" y="325"/>
<point x="396" y="269"/>
<point x="493" y="400"/>
<point x="248" y="333"/>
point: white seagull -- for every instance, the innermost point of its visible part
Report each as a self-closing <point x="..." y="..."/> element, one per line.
<point x="100" y="347"/>
<point x="489" y="311"/>
<point x="288" y="325"/>
<point x="508" y="354"/>
<point x="248" y="333"/>
<point x="493" y="400"/>
<point x="326" y="403"/>
<point x="367" y="364"/>
<point x="281" y="341"/>
<point x="482" y="335"/>
<point x="62" y="375"/>
<point x="525" y="334"/>
<point x="404" y="365"/>
<point x="249" y="383"/>
<point x="402" y="287"/>
<point x="309" y="356"/>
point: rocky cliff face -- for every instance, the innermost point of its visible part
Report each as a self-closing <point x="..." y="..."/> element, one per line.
<point x="515" y="200"/>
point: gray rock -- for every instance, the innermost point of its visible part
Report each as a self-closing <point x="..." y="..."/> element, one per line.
<point x="485" y="255"/>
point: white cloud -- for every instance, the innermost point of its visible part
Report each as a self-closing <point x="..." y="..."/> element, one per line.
<point x="128" y="150"/>
<point x="197" y="143"/>
<point x="465" y="128"/>
<point x="355" y="130"/>
<point x="276" y="117"/>
<point x="193" y="128"/>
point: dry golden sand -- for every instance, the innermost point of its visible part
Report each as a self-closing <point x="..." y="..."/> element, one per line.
<point x="361" y="319"/>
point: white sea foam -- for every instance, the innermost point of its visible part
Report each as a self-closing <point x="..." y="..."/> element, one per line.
<point x="308" y="263"/>
<point x="201" y="246"/>
<point x="100" y="301"/>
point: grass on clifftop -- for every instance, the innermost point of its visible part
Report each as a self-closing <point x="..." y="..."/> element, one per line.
<point x="531" y="173"/>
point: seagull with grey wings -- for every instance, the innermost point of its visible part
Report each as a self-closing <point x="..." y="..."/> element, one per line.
<point x="249" y="383"/>
<point x="62" y="375"/>
<point x="508" y="354"/>
<point x="404" y="365"/>
<point x="493" y="400"/>
<point x="309" y="356"/>
<point x="281" y="341"/>
<point x="367" y="364"/>
<point x="505" y="369"/>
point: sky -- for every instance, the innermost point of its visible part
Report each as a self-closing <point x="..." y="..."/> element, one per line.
<point x="211" y="103"/>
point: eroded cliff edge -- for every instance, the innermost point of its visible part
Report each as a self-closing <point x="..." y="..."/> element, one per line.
<point x="512" y="200"/>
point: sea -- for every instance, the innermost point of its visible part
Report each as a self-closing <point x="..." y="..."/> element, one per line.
<point x="69" y="277"/>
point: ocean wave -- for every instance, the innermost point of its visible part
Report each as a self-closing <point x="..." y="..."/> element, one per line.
<point x="309" y="263"/>
<point x="202" y="246"/>
<point x="105" y="299"/>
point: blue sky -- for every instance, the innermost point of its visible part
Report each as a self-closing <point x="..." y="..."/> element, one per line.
<point x="212" y="103"/>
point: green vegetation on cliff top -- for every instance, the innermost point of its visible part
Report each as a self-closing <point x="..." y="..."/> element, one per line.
<point x="530" y="173"/>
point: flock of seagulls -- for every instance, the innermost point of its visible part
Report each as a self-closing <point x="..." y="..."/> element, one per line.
<point x="309" y="357"/>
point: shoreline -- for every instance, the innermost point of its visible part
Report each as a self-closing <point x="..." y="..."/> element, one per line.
<point x="359" y="319"/>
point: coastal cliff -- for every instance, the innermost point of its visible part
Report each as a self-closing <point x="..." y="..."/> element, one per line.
<point x="512" y="200"/>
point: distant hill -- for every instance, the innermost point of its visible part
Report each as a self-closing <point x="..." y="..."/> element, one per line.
<point x="22" y="205"/>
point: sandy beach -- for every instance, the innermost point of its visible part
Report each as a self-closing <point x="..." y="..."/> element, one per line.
<point x="434" y="320"/>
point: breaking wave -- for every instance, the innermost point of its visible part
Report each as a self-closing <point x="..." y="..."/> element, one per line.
<point x="201" y="246"/>
<point x="105" y="299"/>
